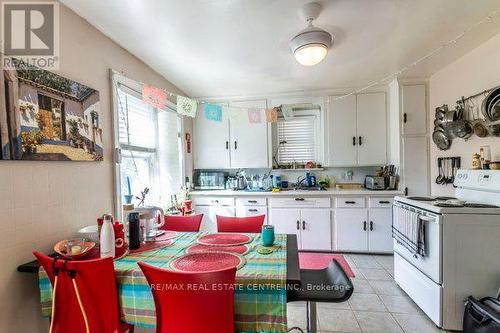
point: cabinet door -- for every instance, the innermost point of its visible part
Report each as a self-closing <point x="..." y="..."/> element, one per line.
<point x="343" y="141"/>
<point x="211" y="142"/>
<point x="315" y="233"/>
<point x="371" y="129"/>
<point x="243" y="211"/>
<point x="209" y="222"/>
<point x="286" y="221"/>
<point x="415" y="172"/>
<point x="349" y="229"/>
<point x="413" y="109"/>
<point x="249" y="148"/>
<point x="380" y="230"/>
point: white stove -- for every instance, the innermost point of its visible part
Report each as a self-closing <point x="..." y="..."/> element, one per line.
<point x="461" y="238"/>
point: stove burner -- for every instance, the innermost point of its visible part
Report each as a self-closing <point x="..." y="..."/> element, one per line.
<point x="445" y="198"/>
<point x="447" y="204"/>
<point x="479" y="205"/>
<point x="421" y="198"/>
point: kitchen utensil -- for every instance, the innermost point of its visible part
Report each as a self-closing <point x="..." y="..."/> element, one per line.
<point x="461" y="129"/>
<point x="486" y="102"/>
<point x="438" y="123"/>
<point x="439" y="178"/>
<point x="495" y="130"/>
<point x="441" y="139"/>
<point x="494" y="110"/>
<point x="495" y="165"/>
<point x="451" y="178"/>
<point x="77" y="248"/>
<point x="480" y="130"/>
<point x="449" y="117"/>
<point x="152" y="219"/>
<point x="441" y="111"/>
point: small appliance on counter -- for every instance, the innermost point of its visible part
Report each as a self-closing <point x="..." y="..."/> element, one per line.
<point x="209" y="180"/>
<point x="375" y="183"/>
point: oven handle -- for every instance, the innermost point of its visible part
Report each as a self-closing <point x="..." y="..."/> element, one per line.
<point x="428" y="219"/>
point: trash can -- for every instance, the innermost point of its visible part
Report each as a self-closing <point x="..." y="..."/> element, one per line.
<point x="482" y="316"/>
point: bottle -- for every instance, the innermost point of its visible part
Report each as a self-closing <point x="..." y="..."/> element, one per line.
<point x="127" y="209"/>
<point x="107" y="237"/>
<point x="134" y="230"/>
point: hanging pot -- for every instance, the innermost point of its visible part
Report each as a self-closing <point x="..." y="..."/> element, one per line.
<point x="441" y="139"/>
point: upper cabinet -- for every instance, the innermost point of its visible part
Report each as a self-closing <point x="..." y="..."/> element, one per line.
<point x="413" y="109"/>
<point x="358" y="130"/>
<point x="231" y="143"/>
<point x="211" y="143"/>
<point x="249" y="148"/>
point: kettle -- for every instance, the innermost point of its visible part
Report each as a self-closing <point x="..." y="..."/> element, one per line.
<point x="241" y="181"/>
<point x="153" y="219"/>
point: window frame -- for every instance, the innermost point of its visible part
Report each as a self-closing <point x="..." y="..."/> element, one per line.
<point x="118" y="79"/>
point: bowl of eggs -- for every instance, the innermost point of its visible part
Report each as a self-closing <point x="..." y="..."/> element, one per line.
<point x="77" y="248"/>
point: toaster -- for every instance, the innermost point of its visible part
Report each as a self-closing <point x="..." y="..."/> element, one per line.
<point x="375" y="183"/>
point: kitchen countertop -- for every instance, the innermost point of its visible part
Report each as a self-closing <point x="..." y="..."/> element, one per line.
<point x="332" y="192"/>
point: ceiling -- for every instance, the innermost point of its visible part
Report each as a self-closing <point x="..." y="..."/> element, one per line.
<point x="227" y="48"/>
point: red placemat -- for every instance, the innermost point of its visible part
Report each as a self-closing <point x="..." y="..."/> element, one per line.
<point x="146" y="246"/>
<point x="207" y="261"/>
<point x="224" y="239"/>
<point x="198" y="248"/>
<point x="166" y="235"/>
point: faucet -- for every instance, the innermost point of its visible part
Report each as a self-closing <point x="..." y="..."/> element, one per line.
<point x="299" y="183"/>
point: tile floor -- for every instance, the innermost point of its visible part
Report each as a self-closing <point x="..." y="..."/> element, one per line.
<point x="377" y="305"/>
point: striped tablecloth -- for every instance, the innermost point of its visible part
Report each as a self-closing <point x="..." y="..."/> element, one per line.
<point x="260" y="298"/>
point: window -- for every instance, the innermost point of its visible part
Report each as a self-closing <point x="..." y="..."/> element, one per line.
<point x="150" y="148"/>
<point x="298" y="137"/>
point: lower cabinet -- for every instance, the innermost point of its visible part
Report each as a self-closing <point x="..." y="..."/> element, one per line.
<point x="363" y="230"/>
<point x="312" y="226"/>
<point x="209" y="222"/>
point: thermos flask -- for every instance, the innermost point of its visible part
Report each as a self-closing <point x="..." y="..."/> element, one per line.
<point x="134" y="230"/>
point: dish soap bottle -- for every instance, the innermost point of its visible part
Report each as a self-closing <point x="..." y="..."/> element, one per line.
<point x="107" y="237"/>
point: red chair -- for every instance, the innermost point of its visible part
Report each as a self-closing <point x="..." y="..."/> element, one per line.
<point x="85" y="297"/>
<point x="187" y="310"/>
<point x="189" y="223"/>
<point x="250" y="224"/>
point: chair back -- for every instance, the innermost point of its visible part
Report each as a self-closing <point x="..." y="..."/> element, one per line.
<point x="96" y="284"/>
<point x="189" y="223"/>
<point x="180" y="308"/>
<point x="250" y="224"/>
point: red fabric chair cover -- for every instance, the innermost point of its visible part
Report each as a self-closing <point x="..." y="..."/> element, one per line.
<point x="180" y="309"/>
<point x="250" y="224"/>
<point x="189" y="223"/>
<point x="96" y="284"/>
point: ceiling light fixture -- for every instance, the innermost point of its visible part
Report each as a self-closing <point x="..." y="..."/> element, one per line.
<point x="311" y="45"/>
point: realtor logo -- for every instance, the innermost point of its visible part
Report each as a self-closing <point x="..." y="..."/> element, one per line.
<point x="30" y="33"/>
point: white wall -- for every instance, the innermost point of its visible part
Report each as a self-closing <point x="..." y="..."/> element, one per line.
<point x="474" y="72"/>
<point x="42" y="202"/>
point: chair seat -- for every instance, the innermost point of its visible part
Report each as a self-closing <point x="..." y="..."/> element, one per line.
<point x="330" y="285"/>
<point x="124" y="327"/>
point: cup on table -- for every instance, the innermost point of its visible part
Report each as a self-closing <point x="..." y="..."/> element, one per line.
<point x="267" y="235"/>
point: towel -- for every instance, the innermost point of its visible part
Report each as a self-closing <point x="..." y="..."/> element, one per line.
<point x="408" y="229"/>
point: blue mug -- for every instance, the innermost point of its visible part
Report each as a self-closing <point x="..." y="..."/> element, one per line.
<point x="267" y="235"/>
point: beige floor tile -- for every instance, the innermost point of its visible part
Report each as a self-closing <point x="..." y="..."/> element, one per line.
<point x="385" y="261"/>
<point x="362" y="286"/>
<point x="416" y="323"/>
<point x="333" y="320"/>
<point x="357" y="273"/>
<point x="366" y="262"/>
<point x="366" y="302"/>
<point x="341" y="305"/>
<point x="377" y="322"/>
<point x="375" y="274"/>
<point x="386" y="288"/>
<point x="400" y="304"/>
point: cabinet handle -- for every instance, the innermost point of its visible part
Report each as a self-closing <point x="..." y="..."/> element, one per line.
<point x="227" y="144"/>
<point x="405" y="118"/>
<point x="299" y="199"/>
<point x="235" y="145"/>
<point x="303" y="225"/>
<point x="253" y="210"/>
<point x="384" y="202"/>
<point x="298" y="225"/>
<point x="371" y="225"/>
<point x="364" y="225"/>
<point x="252" y="201"/>
<point x="353" y="140"/>
<point x="215" y="201"/>
<point x="350" y="202"/>
<point x="360" y="140"/>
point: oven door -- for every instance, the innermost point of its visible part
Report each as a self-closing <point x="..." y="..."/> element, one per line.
<point x="430" y="264"/>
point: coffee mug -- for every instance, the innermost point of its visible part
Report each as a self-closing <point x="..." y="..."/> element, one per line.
<point x="267" y="235"/>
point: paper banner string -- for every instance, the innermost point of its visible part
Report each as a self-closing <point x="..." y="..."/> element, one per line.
<point x="186" y="106"/>
<point x="234" y="113"/>
<point x="287" y="112"/>
<point x="213" y="112"/>
<point x="153" y="96"/>
<point x="272" y="115"/>
<point x="254" y="116"/>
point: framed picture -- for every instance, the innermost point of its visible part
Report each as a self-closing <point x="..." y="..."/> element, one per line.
<point x="46" y="117"/>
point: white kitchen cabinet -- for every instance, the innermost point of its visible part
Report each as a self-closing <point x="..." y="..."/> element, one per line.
<point x="350" y="229"/>
<point x="380" y="230"/>
<point x="358" y="130"/>
<point x="209" y="222"/>
<point x="211" y="143"/>
<point x="249" y="140"/>
<point x="371" y="129"/>
<point x="413" y="109"/>
<point x="312" y="226"/>
<point x="415" y="168"/>
<point x="315" y="231"/>
<point x="343" y="133"/>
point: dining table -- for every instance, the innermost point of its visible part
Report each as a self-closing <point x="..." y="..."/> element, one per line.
<point x="259" y="299"/>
